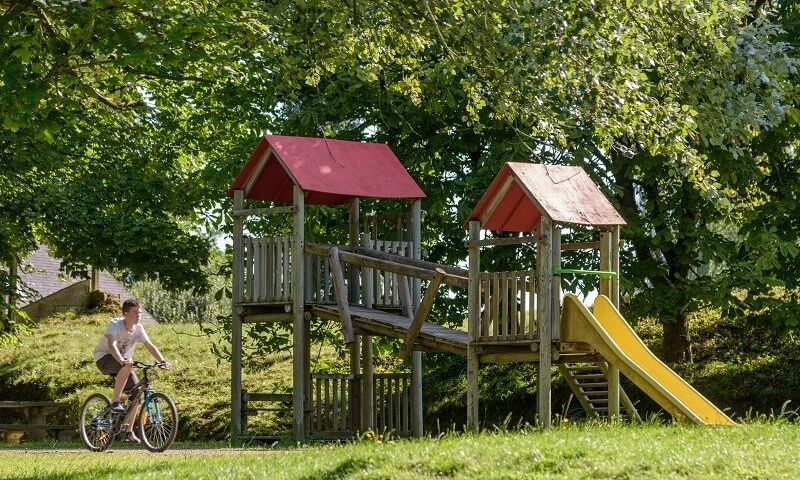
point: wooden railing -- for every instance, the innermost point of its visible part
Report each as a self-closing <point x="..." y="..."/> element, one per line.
<point x="392" y="400"/>
<point x="319" y="280"/>
<point x="333" y="406"/>
<point x="331" y="396"/>
<point x="385" y="286"/>
<point x="507" y="306"/>
<point x="267" y="270"/>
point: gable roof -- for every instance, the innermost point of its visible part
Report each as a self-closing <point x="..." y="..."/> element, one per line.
<point x="330" y="172"/>
<point x="522" y="192"/>
<point x="41" y="272"/>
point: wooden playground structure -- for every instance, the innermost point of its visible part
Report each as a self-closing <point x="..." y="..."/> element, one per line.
<point x="373" y="286"/>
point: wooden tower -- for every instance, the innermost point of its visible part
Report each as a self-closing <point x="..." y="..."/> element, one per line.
<point x="536" y="200"/>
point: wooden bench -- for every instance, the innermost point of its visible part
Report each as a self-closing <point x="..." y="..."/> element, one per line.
<point x="34" y="414"/>
<point x="14" y="432"/>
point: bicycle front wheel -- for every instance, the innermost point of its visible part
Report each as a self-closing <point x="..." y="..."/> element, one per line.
<point x="96" y="422"/>
<point x="158" y="423"/>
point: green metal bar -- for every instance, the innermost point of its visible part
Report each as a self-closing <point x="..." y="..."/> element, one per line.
<point x="602" y="273"/>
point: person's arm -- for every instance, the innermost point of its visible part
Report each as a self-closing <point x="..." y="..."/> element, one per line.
<point x="156" y="353"/>
<point x="114" y="350"/>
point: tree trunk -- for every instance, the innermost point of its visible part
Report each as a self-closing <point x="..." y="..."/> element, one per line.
<point x="676" y="345"/>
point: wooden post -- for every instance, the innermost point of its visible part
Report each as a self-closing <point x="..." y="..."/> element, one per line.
<point x="236" y="318"/>
<point x="352" y="271"/>
<point x="421" y="312"/>
<point x="415" y="235"/>
<point x="544" y="256"/>
<point x="95" y="285"/>
<point x="615" y="245"/>
<point x="299" y="382"/>
<point x="473" y="324"/>
<point x="555" y="305"/>
<point x="368" y="376"/>
<point x="605" y="261"/>
<point x="614" y="389"/>
<point x="367" y="385"/>
<point x="355" y="385"/>
<point x="606" y="287"/>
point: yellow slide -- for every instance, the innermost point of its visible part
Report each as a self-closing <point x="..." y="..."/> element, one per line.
<point x="608" y="333"/>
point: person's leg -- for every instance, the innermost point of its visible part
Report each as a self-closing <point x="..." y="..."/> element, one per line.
<point x="120" y="381"/>
<point x="110" y="366"/>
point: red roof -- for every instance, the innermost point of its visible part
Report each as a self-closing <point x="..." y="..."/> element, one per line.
<point x="330" y="172"/>
<point x="522" y="192"/>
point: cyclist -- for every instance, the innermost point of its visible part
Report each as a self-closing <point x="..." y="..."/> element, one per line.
<point x="113" y="354"/>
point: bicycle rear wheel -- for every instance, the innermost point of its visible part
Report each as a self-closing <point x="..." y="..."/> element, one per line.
<point x="96" y="423"/>
<point x="158" y="423"/>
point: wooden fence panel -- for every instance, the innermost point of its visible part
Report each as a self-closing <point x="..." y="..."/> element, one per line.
<point x="507" y="310"/>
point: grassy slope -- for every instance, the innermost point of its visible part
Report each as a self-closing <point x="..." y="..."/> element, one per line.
<point x="590" y="452"/>
<point x="740" y="368"/>
<point x="56" y="363"/>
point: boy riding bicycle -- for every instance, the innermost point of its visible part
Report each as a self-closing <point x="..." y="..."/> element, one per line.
<point x="113" y="354"/>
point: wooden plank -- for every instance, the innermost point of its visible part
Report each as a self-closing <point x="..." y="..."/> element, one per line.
<point x="421" y="314"/>
<point x="571" y="247"/>
<point x="375" y="252"/>
<point x="242" y="212"/>
<point x="501" y="241"/>
<point x="341" y="296"/>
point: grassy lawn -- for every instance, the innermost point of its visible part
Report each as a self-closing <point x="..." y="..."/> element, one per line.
<point x="753" y="451"/>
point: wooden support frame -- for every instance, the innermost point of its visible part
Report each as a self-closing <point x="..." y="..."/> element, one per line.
<point x="544" y="309"/>
<point x="341" y="296"/>
<point x="236" y="319"/>
<point x="301" y="378"/>
<point x="421" y="313"/>
<point x="416" y="356"/>
<point x="474" y="309"/>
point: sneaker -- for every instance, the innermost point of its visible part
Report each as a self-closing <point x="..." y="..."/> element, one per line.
<point x="132" y="438"/>
<point x="118" y="407"/>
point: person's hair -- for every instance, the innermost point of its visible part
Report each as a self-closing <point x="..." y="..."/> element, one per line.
<point x="128" y="304"/>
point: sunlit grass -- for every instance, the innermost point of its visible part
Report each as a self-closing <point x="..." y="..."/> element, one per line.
<point x="596" y="451"/>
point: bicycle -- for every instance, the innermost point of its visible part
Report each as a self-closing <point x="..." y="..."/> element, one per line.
<point x="152" y="413"/>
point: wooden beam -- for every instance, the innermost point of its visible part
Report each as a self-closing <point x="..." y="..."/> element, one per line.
<point x="246" y="212"/>
<point x="473" y="323"/>
<point x="544" y="257"/>
<point x="493" y="242"/>
<point x="341" y="296"/>
<point x="569" y="247"/>
<point x="421" y="313"/>
<point x="501" y="192"/>
<point x="267" y="317"/>
<point x="414" y="262"/>
<point x="236" y="319"/>
<point x="300" y="381"/>
<point x="403" y="268"/>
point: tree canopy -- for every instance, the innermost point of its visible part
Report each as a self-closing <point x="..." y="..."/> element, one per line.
<point x="124" y="123"/>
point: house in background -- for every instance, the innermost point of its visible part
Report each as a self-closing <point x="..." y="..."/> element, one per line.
<point x="57" y="292"/>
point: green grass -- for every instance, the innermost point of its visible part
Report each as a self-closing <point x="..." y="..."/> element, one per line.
<point x="753" y="451"/>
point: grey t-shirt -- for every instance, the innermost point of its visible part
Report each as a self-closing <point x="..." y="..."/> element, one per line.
<point x="126" y="340"/>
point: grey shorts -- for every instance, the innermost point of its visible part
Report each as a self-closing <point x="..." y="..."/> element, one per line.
<point x="110" y="366"/>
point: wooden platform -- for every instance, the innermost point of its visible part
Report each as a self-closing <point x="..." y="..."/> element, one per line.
<point x="431" y="336"/>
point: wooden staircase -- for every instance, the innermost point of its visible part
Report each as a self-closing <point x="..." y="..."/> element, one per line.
<point x="589" y="382"/>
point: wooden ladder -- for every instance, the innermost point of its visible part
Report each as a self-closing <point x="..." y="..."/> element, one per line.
<point x="589" y="382"/>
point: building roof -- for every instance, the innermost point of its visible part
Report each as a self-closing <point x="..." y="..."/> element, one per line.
<point x="41" y="272"/>
<point x="330" y="172"/>
<point x="522" y="192"/>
